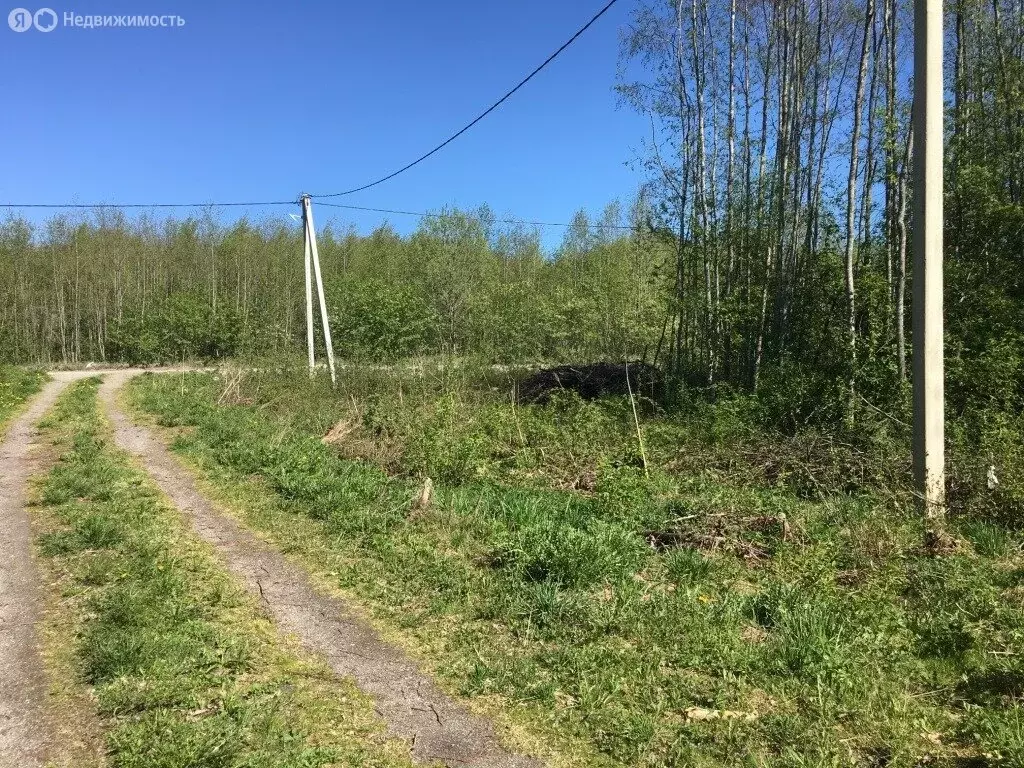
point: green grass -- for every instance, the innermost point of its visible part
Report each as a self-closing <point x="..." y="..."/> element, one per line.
<point x="16" y="386"/>
<point x="184" y="668"/>
<point x="670" y="619"/>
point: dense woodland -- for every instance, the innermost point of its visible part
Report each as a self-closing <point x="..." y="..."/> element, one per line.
<point x="769" y="250"/>
<point x="110" y="289"/>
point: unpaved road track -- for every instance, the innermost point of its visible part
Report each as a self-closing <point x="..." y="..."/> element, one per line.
<point x="24" y="719"/>
<point x="437" y="728"/>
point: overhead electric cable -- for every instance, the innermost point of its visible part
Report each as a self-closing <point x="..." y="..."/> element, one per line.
<point x="479" y="117"/>
<point x="392" y="175"/>
<point x="147" y="205"/>
<point x="423" y="215"/>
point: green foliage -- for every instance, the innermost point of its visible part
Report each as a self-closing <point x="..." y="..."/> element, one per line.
<point x="377" y="321"/>
<point x="183" y="665"/>
<point x="107" y="288"/>
<point x="617" y="606"/>
<point x="16" y="386"/>
<point x="183" y="327"/>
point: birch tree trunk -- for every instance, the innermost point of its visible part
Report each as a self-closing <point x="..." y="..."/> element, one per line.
<point x="851" y="201"/>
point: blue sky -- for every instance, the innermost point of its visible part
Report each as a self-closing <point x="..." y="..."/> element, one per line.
<point x="263" y="100"/>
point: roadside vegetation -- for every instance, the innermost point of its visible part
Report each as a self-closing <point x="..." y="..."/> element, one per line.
<point x="16" y="386"/>
<point x="703" y="611"/>
<point x="182" y="666"/>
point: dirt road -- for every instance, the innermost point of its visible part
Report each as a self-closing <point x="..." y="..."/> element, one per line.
<point x="436" y="728"/>
<point x="24" y="718"/>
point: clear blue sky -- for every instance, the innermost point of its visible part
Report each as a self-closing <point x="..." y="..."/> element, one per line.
<point x="262" y="100"/>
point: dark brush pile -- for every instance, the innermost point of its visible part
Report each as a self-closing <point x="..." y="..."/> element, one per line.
<point x="592" y="381"/>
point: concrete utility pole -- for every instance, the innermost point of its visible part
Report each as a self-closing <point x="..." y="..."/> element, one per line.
<point x="312" y="255"/>
<point x="308" y="266"/>
<point x="929" y="390"/>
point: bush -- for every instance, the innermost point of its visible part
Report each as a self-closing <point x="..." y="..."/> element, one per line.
<point x="381" y="322"/>
<point x="185" y="327"/>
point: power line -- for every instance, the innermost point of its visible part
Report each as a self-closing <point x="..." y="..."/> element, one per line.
<point x="482" y="115"/>
<point x="390" y="176"/>
<point x="148" y="205"/>
<point x="420" y="214"/>
<point x="441" y="215"/>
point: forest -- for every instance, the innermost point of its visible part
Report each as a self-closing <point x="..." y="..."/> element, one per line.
<point x="769" y="247"/>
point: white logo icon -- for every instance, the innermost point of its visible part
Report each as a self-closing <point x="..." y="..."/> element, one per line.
<point x="45" y="19"/>
<point x="20" y="20"/>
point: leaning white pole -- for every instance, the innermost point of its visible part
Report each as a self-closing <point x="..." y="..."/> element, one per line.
<point x="307" y="260"/>
<point x="308" y="211"/>
<point x="929" y="394"/>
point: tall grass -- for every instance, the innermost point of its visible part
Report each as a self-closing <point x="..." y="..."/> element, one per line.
<point x="681" y="619"/>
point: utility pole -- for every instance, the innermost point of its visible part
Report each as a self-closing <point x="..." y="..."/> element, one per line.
<point x="312" y="259"/>
<point x="307" y="265"/>
<point x="929" y="391"/>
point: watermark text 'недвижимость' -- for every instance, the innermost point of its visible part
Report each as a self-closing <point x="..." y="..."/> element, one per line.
<point x="47" y="20"/>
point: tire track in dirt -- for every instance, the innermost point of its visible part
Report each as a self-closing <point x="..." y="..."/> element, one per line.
<point x="414" y="709"/>
<point x="25" y="723"/>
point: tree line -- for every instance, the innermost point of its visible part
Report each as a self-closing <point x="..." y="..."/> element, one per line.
<point x="109" y="289"/>
<point x="769" y="250"/>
